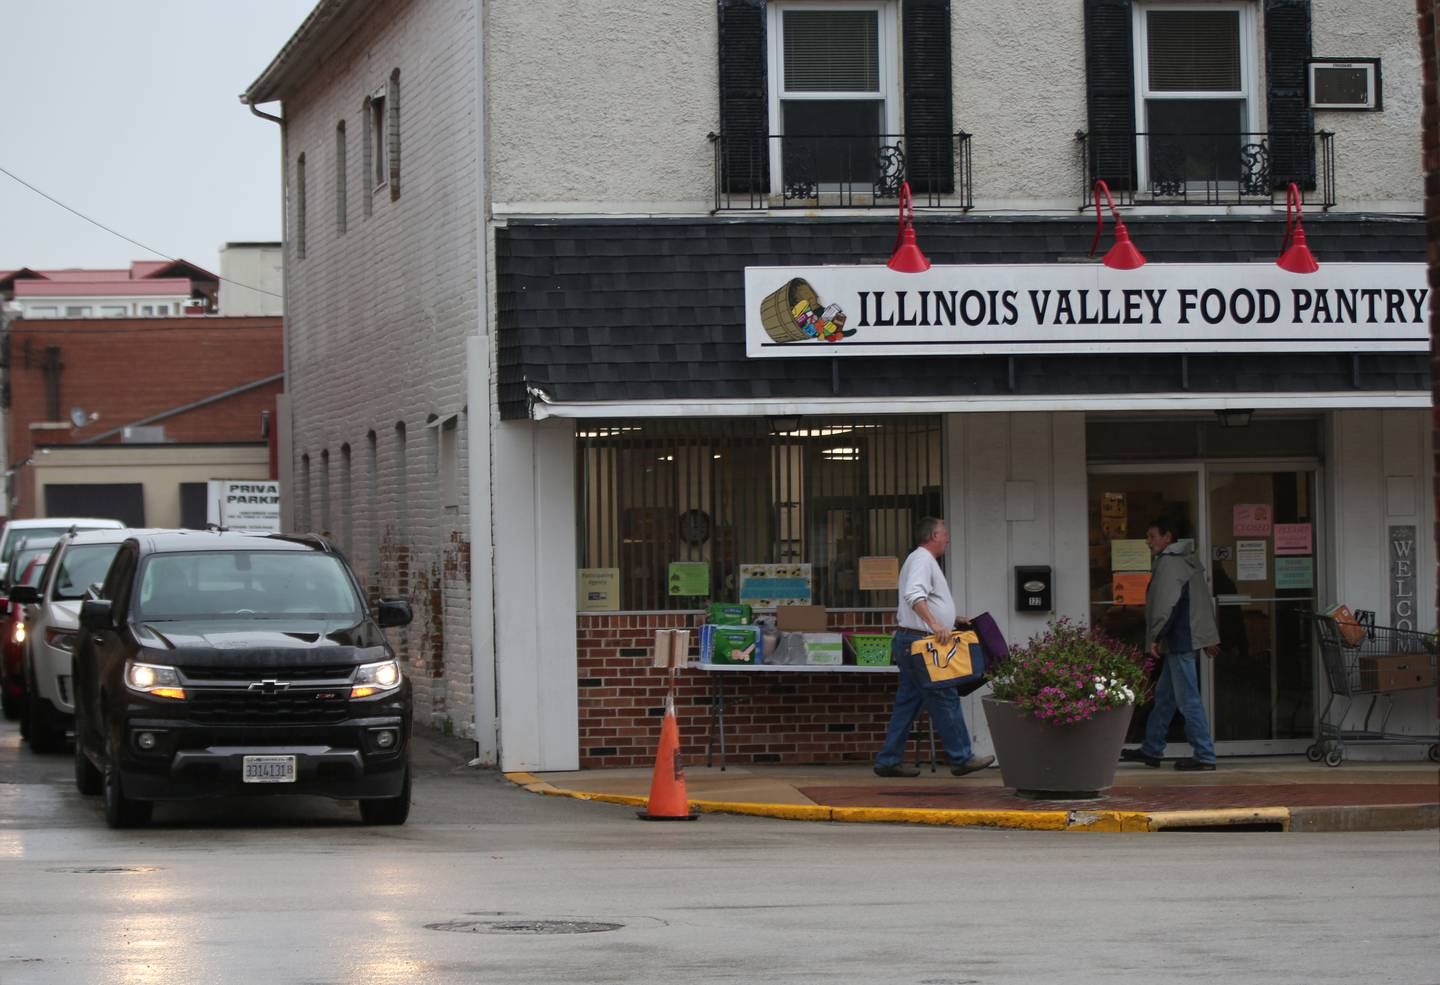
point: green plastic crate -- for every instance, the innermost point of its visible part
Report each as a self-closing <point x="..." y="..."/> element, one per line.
<point x="871" y="649"/>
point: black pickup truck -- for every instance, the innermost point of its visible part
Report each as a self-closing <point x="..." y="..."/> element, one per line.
<point x="217" y="663"/>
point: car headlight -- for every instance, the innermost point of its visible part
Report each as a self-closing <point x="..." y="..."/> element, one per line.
<point x="156" y="680"/>
<point x="374" y="678"/>
<point x="60" y="639"/>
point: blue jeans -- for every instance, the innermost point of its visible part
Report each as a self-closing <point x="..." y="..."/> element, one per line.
<point x="1179" y="688"/>
<point x="941" y="704"/>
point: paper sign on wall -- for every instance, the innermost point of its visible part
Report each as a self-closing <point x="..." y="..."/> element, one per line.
<point x="1293" y="538"/>
<point x="1129" y="588"/>
<point x="690" y="578"/>
<point x="1252" y="519"/>
<point x="879" y="574"/>
<point x="1294" y="572"/>
<point x="1250" y="560"/>
<point x="597" y="589"/>
<point x="1129" y="555"/>
<point x="768" y="585"/>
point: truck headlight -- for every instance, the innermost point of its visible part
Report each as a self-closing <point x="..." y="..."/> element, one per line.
<point x="156" y="680"/>
<point x="374" y="678"/>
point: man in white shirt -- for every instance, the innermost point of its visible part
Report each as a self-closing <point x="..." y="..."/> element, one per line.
<point x="926" y="609"/>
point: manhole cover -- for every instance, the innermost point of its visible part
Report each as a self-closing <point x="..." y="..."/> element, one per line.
<point x="524" y="926"/>
<point x="92" y="870"/>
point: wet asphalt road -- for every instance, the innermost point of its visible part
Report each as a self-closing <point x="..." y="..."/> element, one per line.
<point x="298" y="891"/>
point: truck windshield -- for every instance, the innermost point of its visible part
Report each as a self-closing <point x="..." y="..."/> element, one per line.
<point x="245" y="584"/>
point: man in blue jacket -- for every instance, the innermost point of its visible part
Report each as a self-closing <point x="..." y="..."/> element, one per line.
<point x="1179" y="623"/>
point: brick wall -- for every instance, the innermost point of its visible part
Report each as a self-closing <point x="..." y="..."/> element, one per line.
<point x="1429" y="11"/>
<point x="128" y="369"/>
<point x="377" y="315"/>
<point x="787" y="717"/>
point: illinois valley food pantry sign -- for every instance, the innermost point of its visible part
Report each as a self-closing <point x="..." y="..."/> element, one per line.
<point x="1048" y="308"/>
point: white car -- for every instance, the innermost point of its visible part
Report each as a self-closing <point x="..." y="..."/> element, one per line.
<point x="79" y="561"/>
<point x="49" y="526"/>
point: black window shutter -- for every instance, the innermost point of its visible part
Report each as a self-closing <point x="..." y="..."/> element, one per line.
<point x="1287" y="48"/>
<point x="929" y="116"/>
<point x="1110" y="91"/>
<point x="744" y="106"/>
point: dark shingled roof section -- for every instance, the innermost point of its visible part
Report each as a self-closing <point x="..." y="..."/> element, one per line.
<point x="652" y="309"/>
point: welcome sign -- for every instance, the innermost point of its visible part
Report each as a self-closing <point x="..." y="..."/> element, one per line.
<point x="1015" y="309"/>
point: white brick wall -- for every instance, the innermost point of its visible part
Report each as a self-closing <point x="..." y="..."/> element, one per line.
<point x="377" y="321"/>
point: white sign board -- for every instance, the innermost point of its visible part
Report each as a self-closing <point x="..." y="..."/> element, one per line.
<point x="1017" y="309"/>
<point x="245" y="504"/>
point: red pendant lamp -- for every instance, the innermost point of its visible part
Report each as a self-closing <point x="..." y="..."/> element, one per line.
<point x="906" y="257"/>
<point x="1123" y="255"/>
<point x="1295" y="257"/>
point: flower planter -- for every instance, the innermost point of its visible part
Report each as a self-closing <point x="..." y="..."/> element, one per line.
<point x="1055" y="762"/>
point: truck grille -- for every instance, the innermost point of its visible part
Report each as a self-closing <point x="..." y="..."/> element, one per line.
<point x="288" y="706"/>
<point x="340" y="672"/>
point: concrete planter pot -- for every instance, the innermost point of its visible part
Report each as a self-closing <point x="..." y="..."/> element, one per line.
<point x="1054" y="762"/>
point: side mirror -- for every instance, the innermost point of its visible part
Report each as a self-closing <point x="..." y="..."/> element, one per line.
<point x="25" y="595"/>
<point x="393" y="612"/>
<point x="96" y="614"/>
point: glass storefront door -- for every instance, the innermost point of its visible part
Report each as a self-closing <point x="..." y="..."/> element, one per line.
<point x="1262" y="527"/>
<point x="1256" y="527"/>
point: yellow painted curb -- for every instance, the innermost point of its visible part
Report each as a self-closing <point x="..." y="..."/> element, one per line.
<point x="1220" y="818"/>
<point x="788" y="812"/>
<point x="1030" y="820"/>
<point x="1074" y="820"/>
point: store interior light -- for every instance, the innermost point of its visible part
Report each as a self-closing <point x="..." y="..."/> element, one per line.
<point x="906" y="257"/>
<point x="1234" y="418"/>
<point x="1124" y="255"/>
<point x="1295" y="256"/>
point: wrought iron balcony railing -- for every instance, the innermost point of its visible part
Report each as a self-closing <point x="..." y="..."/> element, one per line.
<point x="1172" y="169"/>
<point x="841" y="171"/>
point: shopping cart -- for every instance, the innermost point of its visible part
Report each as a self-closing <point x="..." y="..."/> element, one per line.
<point x="1376" y="662"/>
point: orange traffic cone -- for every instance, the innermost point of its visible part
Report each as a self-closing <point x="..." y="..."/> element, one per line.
<point x="667" y="787"/>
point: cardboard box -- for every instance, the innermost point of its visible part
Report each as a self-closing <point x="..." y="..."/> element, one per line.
<point x="1396" y="673"/>
<point x="824" y="649"/>
<point x="801" y="618"/>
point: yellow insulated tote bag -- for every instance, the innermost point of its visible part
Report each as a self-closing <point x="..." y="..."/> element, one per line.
<point x="953" y="660"/>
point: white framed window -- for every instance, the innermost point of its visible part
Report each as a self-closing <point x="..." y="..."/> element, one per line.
<point x="114" y="310"/>
<point x="78" y="311"/>
<point x="835" y="90"/>
<point x="300" y="207"/>
<point x="1196" y="90"/>
<point x="378" y="142"/>
<point x="154" y="310"/>
<point x="446" y="437"/>
<point x="42" y="311"/>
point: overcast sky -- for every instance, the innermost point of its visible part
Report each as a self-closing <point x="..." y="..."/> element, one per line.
<point x="127" y="111"/>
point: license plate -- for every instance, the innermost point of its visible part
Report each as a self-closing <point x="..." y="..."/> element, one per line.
<point x="268" y="769"/>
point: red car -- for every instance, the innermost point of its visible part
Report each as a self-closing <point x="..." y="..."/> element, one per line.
<point x="29" y="564"/>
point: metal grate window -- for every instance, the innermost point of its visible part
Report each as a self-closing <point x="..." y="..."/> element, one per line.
<point x="822" y="491"/>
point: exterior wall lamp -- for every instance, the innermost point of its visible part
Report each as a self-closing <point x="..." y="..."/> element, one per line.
<point x="1123" y="255"/>
<point x="1295" y="257"/>
<point x="1231" y="417"/>
<point x="906" y="258"/>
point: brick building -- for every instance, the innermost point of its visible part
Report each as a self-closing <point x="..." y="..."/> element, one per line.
<point x="129" y="417"/>
<point x="539" y="259"/>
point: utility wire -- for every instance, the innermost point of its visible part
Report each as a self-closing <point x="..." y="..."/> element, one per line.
<point x="113" y="232"/>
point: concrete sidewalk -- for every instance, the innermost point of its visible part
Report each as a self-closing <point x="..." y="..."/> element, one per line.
<point x="1274" y="793"/>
